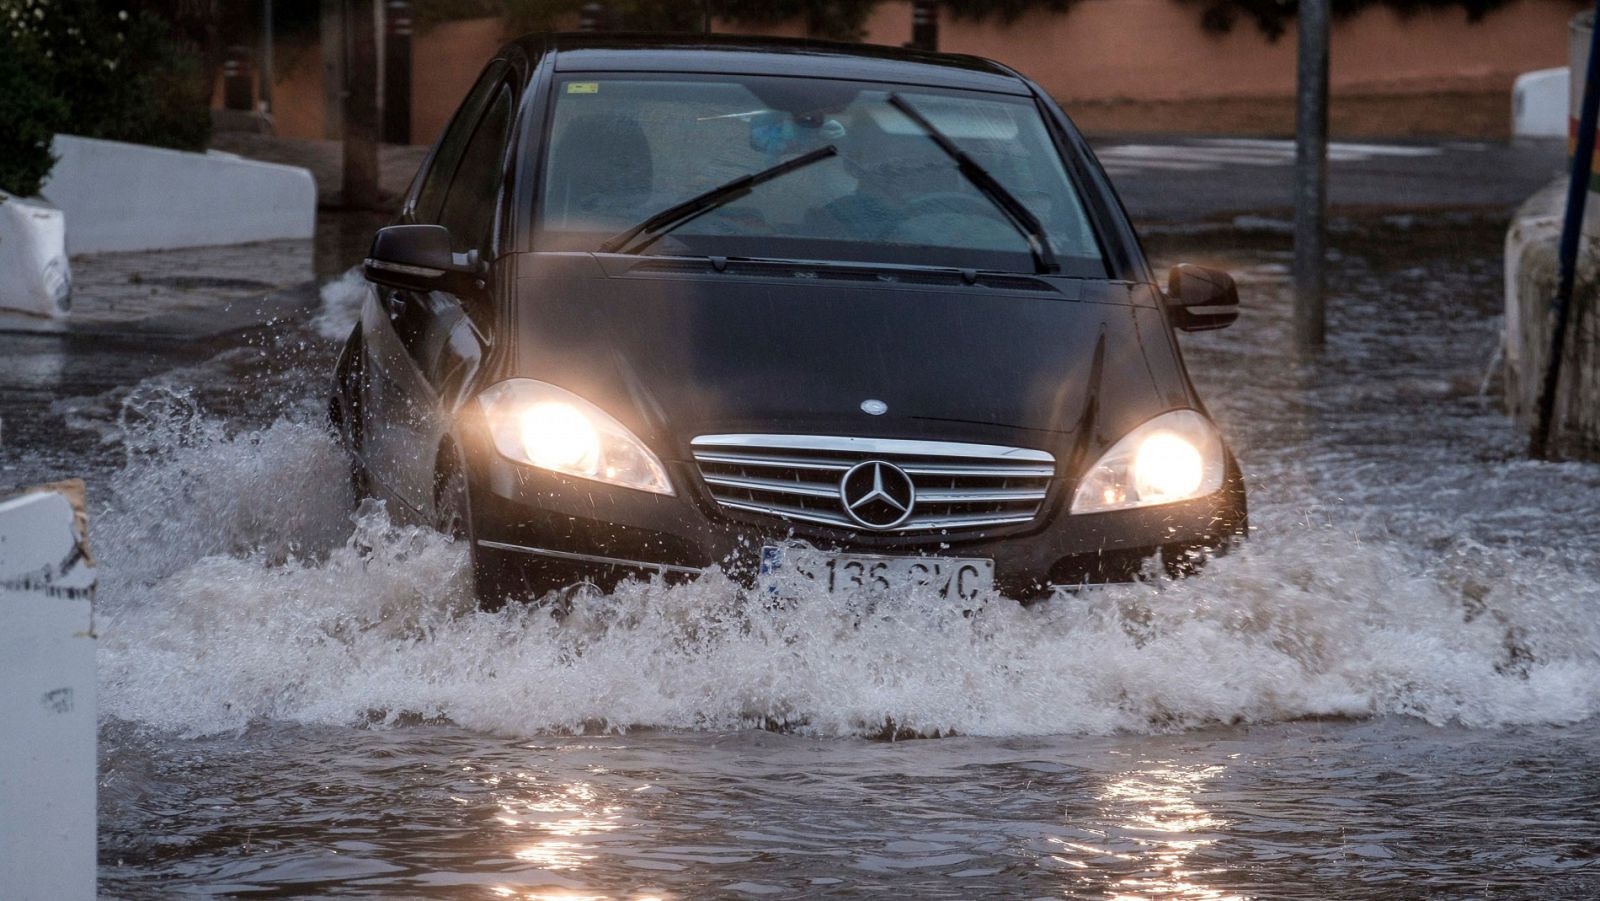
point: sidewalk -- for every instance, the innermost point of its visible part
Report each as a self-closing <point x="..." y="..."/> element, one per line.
<point x="397" y="163"/>
<point x="193" y="293"/>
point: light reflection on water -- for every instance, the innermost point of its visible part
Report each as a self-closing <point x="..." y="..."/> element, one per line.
<point x="348" y="732"/>
<point x="1160" y="819"/>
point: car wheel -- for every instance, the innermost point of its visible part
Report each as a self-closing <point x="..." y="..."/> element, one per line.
<point x="452" y="517"/>
<point x="347" y="438"/>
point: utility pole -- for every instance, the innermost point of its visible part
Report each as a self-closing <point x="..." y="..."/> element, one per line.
<point x="397" y="72"/>
<point x="361" y="108"/>
<point x="924" y="25"/>
<point x="264" y="93"/>
<point x="1311" y="177"/>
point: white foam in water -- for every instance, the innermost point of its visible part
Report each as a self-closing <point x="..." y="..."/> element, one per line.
<point x="237" y="588"/>
<point x="341" y="305"/>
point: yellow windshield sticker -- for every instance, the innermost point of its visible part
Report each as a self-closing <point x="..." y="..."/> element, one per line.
<point x="583" y="87"/>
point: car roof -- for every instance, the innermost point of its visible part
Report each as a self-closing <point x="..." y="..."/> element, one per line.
<point x="746" y="55"/>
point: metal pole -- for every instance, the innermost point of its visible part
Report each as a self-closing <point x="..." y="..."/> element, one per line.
<point x="1571" y="235"/>
<point x="1311" y="176"/>
<point x="266" y="57"/>
<point x="361" y="109"/>
<point x="924" y="25"/>
<point x="397" y="73"/>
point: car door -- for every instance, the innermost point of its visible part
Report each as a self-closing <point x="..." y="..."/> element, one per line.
<point x="419" y="342"/>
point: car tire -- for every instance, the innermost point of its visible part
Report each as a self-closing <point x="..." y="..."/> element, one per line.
<point x="344" y="415"/>
<point x="347" y="438"/>
<point x="452" y="517"/>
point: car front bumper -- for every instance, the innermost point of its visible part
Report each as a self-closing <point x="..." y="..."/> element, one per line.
<point x="536" y="531"/>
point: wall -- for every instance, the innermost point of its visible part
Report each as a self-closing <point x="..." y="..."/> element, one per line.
<point x="1156" y="50"/>
<point x="1105" y="53"/>
<point x="445" y="61"/>
<point x="119" y="197"/>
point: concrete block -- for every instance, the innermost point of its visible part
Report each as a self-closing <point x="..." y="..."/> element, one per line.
<point x="120" y="197"/>
<point x="1539" y="104"/>
<point x="35" y="276"/>
<point x="1532" y="271"/>
<point x="47" y="697"/>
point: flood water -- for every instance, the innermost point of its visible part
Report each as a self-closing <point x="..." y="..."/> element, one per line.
<point x="1390" y="691"/>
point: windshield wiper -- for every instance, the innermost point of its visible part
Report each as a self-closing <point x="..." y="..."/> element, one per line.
<point x="653" y="229"/>
<point x="1044" y="259"/>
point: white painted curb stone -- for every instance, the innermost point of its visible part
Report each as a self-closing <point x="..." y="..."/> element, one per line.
<point x="123" y="197"/>
<point x="35" y="276"/>
<point x="1539" y="104"/>
<point x="47" y="697"/>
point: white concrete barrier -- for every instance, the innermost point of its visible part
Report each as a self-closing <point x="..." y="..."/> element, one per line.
<point x="47" y="697"/>
<point x="120" y="196"/>
<point x="35" y="276"/>
<point x="1539" y="104"/>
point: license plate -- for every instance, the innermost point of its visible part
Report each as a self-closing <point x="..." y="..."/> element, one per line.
<point x="788" y="572"/>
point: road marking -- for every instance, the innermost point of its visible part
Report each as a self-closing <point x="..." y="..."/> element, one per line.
<point x="1210" y="154"/>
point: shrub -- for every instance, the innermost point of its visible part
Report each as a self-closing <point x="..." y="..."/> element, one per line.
<point x="29" y="111"/>
<point x="92" y="68"/>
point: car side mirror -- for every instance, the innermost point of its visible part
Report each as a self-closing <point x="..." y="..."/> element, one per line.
<point x="1201" y="299"/>
<point x="418" y="258"/>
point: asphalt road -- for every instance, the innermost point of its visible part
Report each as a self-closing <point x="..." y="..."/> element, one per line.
<point x="1166" y="179"/>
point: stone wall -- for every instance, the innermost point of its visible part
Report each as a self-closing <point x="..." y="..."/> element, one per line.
<point x="1531" y="275"/>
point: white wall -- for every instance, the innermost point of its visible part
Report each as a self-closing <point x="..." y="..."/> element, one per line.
<point x="47" y="698"/>
<point x="120" y="196"/>
<point x="1539" y="104"/>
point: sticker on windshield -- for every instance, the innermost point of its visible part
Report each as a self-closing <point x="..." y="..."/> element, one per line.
<point x="583" y="87"/>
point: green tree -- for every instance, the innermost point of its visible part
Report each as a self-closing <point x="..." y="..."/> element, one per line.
<point x="28" y="111"/>
<point x="97" y="69"/>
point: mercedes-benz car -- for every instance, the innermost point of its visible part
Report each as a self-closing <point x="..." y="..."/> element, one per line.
<point x="863" y="317"/>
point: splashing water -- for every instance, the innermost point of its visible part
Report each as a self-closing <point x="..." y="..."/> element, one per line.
<point x="238" y="588"/>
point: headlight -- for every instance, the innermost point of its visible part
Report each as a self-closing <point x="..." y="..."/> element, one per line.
<point x="552" y="428"/>
<point x="1174" y="457"/>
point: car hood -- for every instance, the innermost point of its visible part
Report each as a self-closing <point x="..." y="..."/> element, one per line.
<point x="677" y="348"/>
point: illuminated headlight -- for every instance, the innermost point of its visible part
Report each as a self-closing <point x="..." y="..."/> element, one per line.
<point x="1174" y="457"/>
<point x="552" y="428"/>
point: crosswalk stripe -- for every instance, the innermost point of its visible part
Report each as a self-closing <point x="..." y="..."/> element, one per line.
<point x="1209" y="154"/>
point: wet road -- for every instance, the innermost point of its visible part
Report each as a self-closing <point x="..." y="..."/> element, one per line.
<point x="1166" y="178"/>
<point x="1390" y="692"/>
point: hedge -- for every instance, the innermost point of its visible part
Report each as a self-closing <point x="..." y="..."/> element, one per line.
<point x="92" y="68"/>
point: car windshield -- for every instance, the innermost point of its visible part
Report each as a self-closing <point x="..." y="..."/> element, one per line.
<point x="625" y="147"/>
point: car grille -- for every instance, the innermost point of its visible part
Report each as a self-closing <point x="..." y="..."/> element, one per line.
<point x="798" y="477"/>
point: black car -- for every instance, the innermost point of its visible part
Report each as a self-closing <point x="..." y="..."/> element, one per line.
<point x="861" y="315"/>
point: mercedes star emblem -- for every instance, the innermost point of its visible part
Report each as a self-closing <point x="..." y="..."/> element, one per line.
<point x="877" y="495"/>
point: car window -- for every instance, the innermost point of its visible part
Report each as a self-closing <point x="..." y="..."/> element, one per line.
<point x="623" y="147"/>
<point x="469" y="207"/>
<point x="436" y="181"/>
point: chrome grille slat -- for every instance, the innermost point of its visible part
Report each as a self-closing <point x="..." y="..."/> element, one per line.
<point x="797" y="477"/>
<point x="957" y="496"/>
<point x="1037" y="472"/>
<point x="774" y="485"/>
<point x="749" y="460"/>
<point x="792" y="513"/>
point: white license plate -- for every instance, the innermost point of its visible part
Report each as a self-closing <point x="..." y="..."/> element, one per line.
<point x="791" y="571"/>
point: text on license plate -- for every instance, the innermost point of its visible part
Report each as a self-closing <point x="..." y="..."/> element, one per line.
<point x="791" y="571"/>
